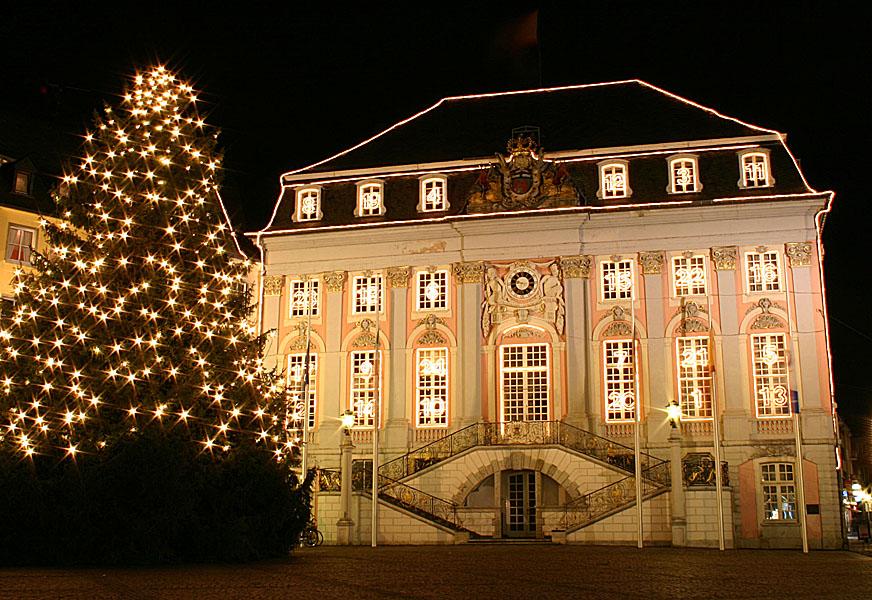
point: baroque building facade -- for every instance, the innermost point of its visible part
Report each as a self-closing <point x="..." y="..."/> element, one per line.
<point x="635" y="272"/>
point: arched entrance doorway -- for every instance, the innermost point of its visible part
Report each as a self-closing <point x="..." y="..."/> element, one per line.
<point x="523" y="502"/>
<point x="519" y="504"/>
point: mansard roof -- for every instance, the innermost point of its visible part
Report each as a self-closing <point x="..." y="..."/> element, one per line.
<point x="578" y="126"/>
<point x="604" y="115"/>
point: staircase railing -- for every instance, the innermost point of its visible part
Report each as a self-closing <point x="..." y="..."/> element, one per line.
<point x="395" y="492"/>
<point x="419" y="502"/>
<point x="514" y="433"/>
<point x="614" y="497"/>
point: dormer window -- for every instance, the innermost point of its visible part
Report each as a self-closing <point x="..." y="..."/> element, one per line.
<point x="755" y="170"/>
<point x="370" y="199"/>
<point x="434" y="194"/>
<point x="22" y="182"/>
<point x="308" y="207"/>
<point x="683" y="175"/>
<point x="614" y="180"/>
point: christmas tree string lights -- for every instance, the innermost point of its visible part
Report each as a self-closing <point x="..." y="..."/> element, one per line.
<point x="137" y="314"/>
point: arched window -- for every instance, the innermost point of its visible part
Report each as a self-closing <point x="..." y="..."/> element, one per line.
<point x="619" y="380"/>
<point x="300" y="384"/>
<point x="366" y="387"/>
<point x="614" y="180"/>
<point x="308" y="205"/>
<point x="370" y="199"/>
<point x="755" y="170"/>
<point x="771" y="392"/>
<point x="684" y="175"/>
<point x="525" y="382"/>
<point x="431" y="387"/>
<point x="434" y="194"/>
<point x="694" y="377"/>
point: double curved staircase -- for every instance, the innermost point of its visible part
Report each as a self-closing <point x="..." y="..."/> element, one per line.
<point x="577" y="513"/>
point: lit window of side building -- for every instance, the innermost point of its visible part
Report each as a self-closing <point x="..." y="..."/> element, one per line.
<point x="531" y="329"/>
<point x="25" y="200"/>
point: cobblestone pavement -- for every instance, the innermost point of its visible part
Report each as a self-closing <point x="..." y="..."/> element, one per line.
<point x="472" y="572"/>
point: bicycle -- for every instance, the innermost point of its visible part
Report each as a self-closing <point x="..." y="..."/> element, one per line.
<point x="310" y="535"/>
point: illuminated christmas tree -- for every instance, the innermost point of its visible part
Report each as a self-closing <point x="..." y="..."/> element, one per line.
<point x="138" y="316"/>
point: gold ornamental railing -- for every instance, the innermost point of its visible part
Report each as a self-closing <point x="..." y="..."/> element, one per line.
<point x="614" y="497"/>
<point x="515" y="433"/>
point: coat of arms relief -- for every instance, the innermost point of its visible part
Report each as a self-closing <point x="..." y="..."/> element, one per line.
<point x="522" y="290"/>
<point x="522" y="179"/>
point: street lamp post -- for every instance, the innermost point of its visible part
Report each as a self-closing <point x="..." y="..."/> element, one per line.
<point x="679" y="510"/>
<point x="346" y="447"/>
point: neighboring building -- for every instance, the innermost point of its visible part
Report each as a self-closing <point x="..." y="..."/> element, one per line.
<point x="29" y="170"/>
<point x="488" y="304"/>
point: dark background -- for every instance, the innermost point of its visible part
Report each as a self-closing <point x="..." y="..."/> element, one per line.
<point x="290" y="83"/>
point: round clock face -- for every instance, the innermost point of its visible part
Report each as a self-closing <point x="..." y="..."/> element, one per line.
<point x="522" y="283"/>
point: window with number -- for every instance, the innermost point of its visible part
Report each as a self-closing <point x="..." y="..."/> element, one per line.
<point x="779" y="492"/>
<point x="617" y="280"/>
<point x="755" y="170"/>
<point x="763" y="272"/>
<point x="619" y="387"/>
<point x="694" y="378"/>
<point x="309" y="204"/>
<point x="432" y="290"/>
<point x="305" y="297"/>
<point x="770" y="374"/>
<point x="434" y="194"/>
<point x="19" y="241"/>
<point x="298" y="379"/>
<point x="524" y="374"/>
<point x="365" y="389"/>
<point x="370" y="200"/>
<point x="431" y="390"/>
<point x="683" y="175"/>
<point x="614" y="180"/>
<point x="688" y="275"/>
<point x="368" y="294"/>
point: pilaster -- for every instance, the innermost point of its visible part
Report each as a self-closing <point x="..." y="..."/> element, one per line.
<point x="397" y="423"/>
<point x="272" y="306"/>
<point x="732" y="397"/>
<point x="807" y="329"/>
<point x="576" y="278"/>
<point x="659" y="377"/>
<point x="331" y="396"/>
<point x="468" y="277"/>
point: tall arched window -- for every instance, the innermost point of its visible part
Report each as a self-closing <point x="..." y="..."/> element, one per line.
<point x="771" y="393"/>
<point x="619" y="380"/>
<point x="525" y="386"/>
<point x="694" y="377"/>
<point x="431" y="387"/>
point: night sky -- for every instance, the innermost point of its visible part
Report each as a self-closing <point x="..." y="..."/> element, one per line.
<point x="290" y="84"/>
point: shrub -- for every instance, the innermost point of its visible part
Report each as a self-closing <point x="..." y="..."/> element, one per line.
<point x="156" y="498"/>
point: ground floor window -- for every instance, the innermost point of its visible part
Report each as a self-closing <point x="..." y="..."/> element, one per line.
<point x="524" y="382"/>
<point x="779" y="492"/>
